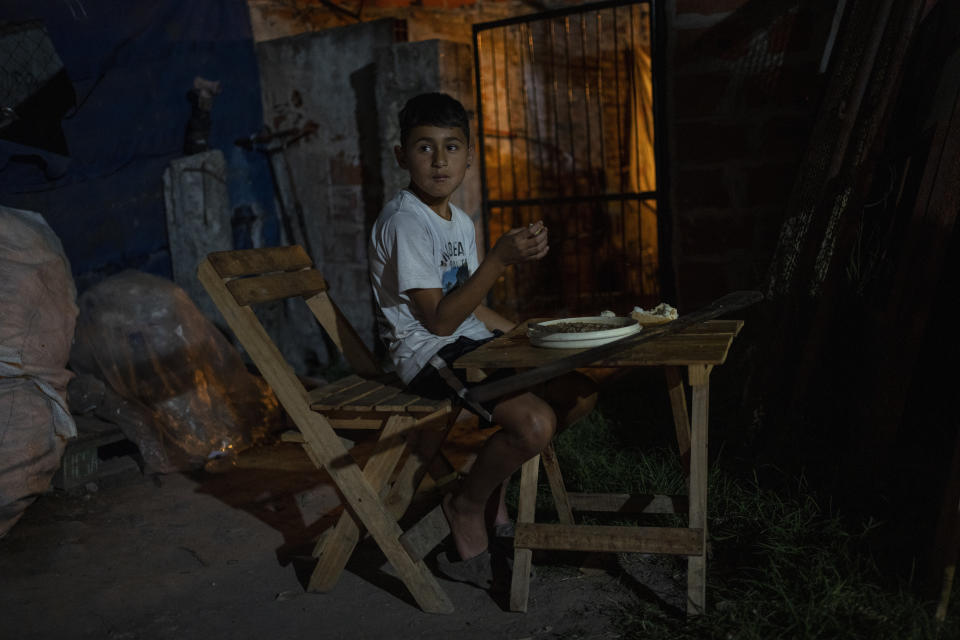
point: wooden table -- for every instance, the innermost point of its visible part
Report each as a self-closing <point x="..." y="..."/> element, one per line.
<point x="699" y="349"/>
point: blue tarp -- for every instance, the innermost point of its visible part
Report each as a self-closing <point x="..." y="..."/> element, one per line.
<point x="131" y="65"/>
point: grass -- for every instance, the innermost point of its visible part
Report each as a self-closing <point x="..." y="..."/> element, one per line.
<point x="782" y="566"/>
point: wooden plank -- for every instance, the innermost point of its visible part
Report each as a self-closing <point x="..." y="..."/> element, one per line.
<point x="426" y="534"/>
<point x="276" y="286"/>
<point x="342" y="333"/>
<point x="628" y="503"/>
<point x="677" y="350"/>
<point x="699" y="377"/>
<point x="247" y="262"/>
<point x="522" y="557"/>
<point x="709" y="346"/>
<point x="413" y="404"/>
<point x="365" y="502"/>
<point x="354" y="422"/>
<point x="339" y="545"/>
<point x="380" y="397"/>
<point x="336" y="385"/>
<point x="353" y="395"/>
<point x="321" y="395"/>
<point x="425" y="456"/>
<point x="612" y="539"/>
<point x="560" y="497"/>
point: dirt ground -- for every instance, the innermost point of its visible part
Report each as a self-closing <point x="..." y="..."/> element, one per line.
<point x="227" y="555"/>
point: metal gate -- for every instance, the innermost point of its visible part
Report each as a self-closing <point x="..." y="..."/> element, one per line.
<point x="565" y="105"/>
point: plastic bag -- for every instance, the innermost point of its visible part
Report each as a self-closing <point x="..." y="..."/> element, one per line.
<point x="153" y="347"/>
<point x="37" y="316"/>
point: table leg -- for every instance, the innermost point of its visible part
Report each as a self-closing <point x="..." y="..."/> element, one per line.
<point x="699" y="376"/>
<point x="681" y="421"/>
<point x="526" y="510"/>
<point x="560" y="499"/>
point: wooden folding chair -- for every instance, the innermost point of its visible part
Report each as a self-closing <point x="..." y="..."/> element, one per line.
<point x="377" y="494"/>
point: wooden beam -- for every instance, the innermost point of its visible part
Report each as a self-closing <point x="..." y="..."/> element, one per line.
<point x="600" y="538"/>
<point x="276" y="286"/>
<point x="627" y="503"/>
<point x="233" y="264"/>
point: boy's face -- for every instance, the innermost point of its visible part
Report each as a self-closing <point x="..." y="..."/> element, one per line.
<point x="437" y="159"/>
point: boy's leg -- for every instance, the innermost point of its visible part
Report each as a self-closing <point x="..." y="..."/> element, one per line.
<point x="497" y="506"/>
<point x="527" y="424"/>
<point x="572" y="396"/>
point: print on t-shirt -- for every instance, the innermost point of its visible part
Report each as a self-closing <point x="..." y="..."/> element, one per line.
<point x="454" y="263"/>
<point x="454" y="277"/>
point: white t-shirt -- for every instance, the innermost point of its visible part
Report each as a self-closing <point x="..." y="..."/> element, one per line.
<point x="411" y="247"/>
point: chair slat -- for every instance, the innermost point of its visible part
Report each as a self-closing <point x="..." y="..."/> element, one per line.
<point x="337" y="400"/>
<point x="231" y="264"/>
<point x="318" y="394"/>
<point x="276" y="286"/>
<point x="370" y="401"/>
<point x="411" y="403"/>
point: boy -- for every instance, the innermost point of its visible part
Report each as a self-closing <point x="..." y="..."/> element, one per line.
<point x="429" y="287"/>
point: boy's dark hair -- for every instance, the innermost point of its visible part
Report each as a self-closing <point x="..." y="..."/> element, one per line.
<point x="433" y="109"/>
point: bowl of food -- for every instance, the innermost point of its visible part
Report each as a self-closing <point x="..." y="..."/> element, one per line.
<point x="580" y="333"/>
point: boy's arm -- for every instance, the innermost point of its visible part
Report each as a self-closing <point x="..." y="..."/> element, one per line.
<point x="442" y="314"/>
<point x="493" y="320"/>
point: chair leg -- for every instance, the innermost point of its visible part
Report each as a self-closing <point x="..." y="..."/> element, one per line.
<point x="334" y="550"/>
<point x="526" y="511"/>
<point x="365" y="503"/>
<point x="425" y="456"/>
<point x="681" y="420"/>
<point x="332" y="553"/>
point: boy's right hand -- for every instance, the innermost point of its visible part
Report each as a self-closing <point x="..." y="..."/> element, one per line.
<point x="524" y="244"/>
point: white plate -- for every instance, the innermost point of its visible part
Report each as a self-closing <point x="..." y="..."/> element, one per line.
<point x="619" y="328"/>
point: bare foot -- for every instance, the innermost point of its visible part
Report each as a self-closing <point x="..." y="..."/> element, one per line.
<point x="466" y="527"/>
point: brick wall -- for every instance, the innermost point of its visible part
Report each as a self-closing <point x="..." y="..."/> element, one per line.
<point x="428" y="19"/>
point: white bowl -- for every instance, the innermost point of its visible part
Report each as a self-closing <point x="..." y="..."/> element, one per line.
<point x="619" y="328"/>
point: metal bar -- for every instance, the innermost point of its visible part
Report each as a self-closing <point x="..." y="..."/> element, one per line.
<point x="558" y="200"/>
<point x="484" y="194"/>
<point x="574" y="180"/>
<point x="635" y="261"/>
<point x="592" y="186"/>
<point x="635" y="88"/>
<point x="556" y="116"/>
<point x="658" y="43"/>
<point x="556" y="13"/>
<point x="537" y="110"/>
<point x="515" y="221"/>
<point x="526" y="84"/>
<point x="619" y="121"/>
<point x="496" y="112"/>
<point x="600" y="117"/>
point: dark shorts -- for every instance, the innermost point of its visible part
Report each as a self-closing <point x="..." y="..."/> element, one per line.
<point x="429" y="384"/>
